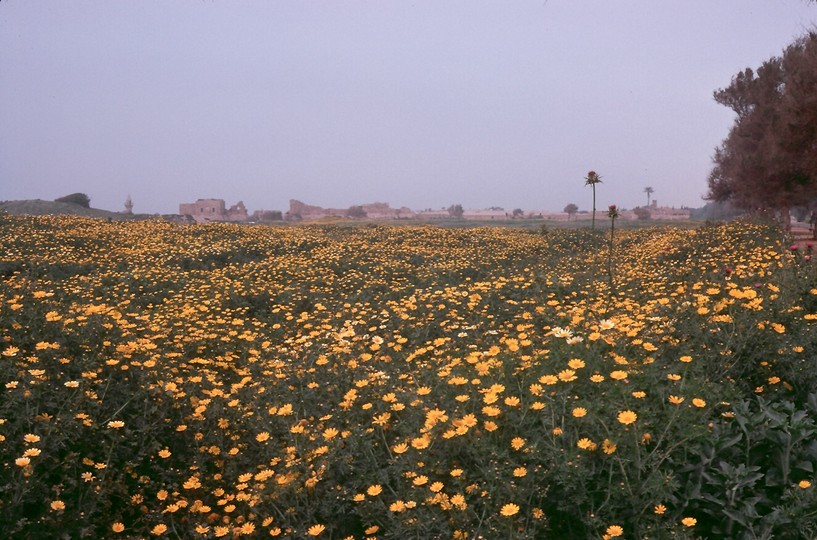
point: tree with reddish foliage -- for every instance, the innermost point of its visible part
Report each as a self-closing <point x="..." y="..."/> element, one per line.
<point x="769" y="159"/>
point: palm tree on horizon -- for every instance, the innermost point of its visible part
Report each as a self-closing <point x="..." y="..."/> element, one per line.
<point x="591" y="180"/>
<point x="649" y="191"/>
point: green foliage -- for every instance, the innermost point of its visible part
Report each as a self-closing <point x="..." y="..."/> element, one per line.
<point x="745" y="480"/>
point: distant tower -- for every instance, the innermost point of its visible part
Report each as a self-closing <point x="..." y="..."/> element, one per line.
<point x="128" y="205"/>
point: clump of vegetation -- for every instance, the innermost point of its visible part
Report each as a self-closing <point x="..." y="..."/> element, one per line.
<point x="642" y="212"/>
<point x="80" y="199"/>
<point x="767" y="161"/>
<point x="356" y="211"/>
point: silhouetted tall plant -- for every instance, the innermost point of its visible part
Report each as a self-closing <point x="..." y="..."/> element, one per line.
<point x="649" y="191"/>
<point x="591" y="180"/>
<point x="612" y="213"/>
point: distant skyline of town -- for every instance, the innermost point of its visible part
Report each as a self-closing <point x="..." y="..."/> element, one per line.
<point x="212" y="209"/>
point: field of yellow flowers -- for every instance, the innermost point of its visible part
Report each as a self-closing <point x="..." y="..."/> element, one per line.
<point x="377" y="382"/>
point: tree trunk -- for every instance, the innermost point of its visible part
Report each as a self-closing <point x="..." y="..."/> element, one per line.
<point x="593" y="223"/>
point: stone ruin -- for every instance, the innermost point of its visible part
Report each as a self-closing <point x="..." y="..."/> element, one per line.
<point x="214" y="210"/>
<point x="377" y="210"/>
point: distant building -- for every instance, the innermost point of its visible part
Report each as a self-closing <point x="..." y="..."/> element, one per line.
<point x="659" y="212"/>
<point x="378" y="210"/>
<point x="468" y="213"/>
<point x="213" y="210"/>
<point x="266" y="216"/>
<point x="128" y="206"/>
<point x="381" y="210"/>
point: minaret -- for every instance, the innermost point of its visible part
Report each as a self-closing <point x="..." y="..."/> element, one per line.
<point x="128" y="205"/>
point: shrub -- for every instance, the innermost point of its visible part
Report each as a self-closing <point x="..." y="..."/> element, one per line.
<point x="80" y="199"/>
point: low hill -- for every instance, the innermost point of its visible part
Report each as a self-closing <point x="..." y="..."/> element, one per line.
<point x="39" y="207"/>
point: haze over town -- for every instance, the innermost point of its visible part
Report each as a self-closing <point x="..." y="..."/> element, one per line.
<point x="420" y="104"/>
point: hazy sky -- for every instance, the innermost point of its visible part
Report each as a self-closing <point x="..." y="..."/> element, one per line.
<point x="337" y="102"/>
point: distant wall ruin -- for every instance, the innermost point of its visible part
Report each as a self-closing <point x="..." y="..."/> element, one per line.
<point x="206" y="210"/>
<point x="377" y="210"/>
<point x="214" y="210"/>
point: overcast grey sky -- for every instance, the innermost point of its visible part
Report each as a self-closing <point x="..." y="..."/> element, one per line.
<point x="420" y="103"/>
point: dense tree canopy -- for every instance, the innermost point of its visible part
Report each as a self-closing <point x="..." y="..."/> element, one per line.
<point x="769" y="158"/>
<point x="79" y="199"/>
<point x="356" y="211"/>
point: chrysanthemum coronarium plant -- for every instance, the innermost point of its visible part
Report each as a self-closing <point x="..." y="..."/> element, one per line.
<point x="413" y="381"/>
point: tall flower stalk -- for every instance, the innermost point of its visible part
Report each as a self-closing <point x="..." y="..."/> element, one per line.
<point x="591" y="180"/>
<point x="612" y="213"/>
